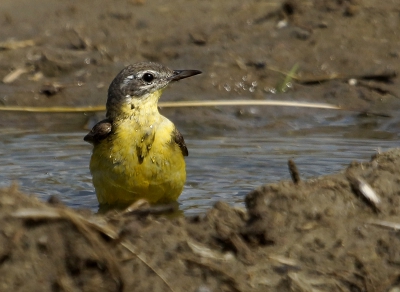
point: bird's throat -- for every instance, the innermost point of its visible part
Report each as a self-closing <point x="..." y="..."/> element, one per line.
<point x="142" y="109"/>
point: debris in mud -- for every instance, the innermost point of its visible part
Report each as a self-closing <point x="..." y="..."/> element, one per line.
<point x="14" y="44"/>
<point x="294" y="172"/>
<point x="52" y="66"/>
<point x="313" y="235"/>
<point x="14" y="75"/>
<point x="50" y="89"/>
<point x="198" y="38"/>
<point x="77" y="41"/>
<point x="364" y="190"/>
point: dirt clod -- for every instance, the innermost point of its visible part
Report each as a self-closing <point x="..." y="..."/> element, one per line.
<point x="313" y="235"/>
<point x="320" y="234"/>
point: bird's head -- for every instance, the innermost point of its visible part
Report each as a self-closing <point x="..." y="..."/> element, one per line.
<point x="141" y="84"/>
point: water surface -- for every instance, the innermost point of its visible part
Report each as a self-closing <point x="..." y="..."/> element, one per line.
<point x="224" y="165"/>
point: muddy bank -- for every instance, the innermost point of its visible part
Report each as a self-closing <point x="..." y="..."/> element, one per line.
<point x="319" y="234"/>
<point x="346" y="52"/>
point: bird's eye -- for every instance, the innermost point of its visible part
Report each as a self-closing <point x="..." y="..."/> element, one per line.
<point x="147" y="77"/>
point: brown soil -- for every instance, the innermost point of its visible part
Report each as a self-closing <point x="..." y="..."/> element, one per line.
<point x="71" y="51"/>
<point x="317" y="235"/>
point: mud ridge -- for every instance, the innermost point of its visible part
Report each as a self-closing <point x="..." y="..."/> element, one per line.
<point x="319" y="234"/>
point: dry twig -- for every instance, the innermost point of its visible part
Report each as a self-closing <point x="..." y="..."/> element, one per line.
<point x="203" y="103"/>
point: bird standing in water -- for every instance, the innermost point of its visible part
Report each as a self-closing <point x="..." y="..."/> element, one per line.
<point x="138" y="153"/>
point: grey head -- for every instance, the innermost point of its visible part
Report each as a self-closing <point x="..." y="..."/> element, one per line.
<point x="141" y="79"/>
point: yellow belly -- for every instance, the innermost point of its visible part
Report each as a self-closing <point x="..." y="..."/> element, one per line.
<point x="121" y="175"/>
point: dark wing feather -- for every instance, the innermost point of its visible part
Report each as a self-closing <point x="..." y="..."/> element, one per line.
<point x="178" y="138"/>
<point x="99" y="132"/>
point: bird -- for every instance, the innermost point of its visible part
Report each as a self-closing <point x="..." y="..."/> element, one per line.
<point x="137" y="152"/>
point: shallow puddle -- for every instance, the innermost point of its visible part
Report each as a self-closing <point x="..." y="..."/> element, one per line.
<point x="220" y="166"/>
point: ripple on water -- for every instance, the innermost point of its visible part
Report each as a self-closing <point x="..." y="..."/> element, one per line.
<point x="218" y="168"/>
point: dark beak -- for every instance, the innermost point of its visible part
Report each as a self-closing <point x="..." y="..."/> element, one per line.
<point x="181" y="74"/>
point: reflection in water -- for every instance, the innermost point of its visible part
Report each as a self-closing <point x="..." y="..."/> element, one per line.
<point x="219" y="168"/>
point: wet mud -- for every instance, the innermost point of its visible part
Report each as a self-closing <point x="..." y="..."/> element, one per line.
<point x="322" y="234"/>
<point x="341" y="52"/>
<point x="332" y="233"/>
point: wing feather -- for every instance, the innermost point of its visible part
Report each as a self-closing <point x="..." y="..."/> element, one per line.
<point x="99" y="132"/>
<point x="178" y="138"/>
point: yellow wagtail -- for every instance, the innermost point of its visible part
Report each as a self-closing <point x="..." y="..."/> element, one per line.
<point x="138" y="153"/>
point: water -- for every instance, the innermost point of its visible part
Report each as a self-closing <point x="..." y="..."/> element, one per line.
<point x="224" y="165"/>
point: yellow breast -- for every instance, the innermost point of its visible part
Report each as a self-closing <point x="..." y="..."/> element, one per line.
<point x="138" y="160"/>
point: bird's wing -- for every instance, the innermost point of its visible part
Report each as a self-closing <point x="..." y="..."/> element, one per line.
<point x="178" y="138"/>
<point x="99" y="132"/>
